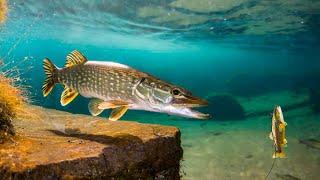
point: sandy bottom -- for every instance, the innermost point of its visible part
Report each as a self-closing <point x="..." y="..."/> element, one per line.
<point x="242" y="149"/>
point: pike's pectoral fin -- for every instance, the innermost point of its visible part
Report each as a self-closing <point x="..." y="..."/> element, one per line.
<point x="118" y="112"/>
<point x="117" y="103"/>
<point x="75" y="58"/>
<point x="271" y="136"/>
<point x="67" y="96"/>
<point x="94" y="108"/>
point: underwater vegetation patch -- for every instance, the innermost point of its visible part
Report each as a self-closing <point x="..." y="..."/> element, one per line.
<point x="3" y="11"/>
<point x="11" y="102"/>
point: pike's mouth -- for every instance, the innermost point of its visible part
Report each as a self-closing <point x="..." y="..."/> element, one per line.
<point x="189" y="113"/>
<point x="184" y="106"/>
<point x="198" y="114"/>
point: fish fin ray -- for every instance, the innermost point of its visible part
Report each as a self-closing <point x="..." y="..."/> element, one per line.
<point x="93" y="107"/>
<point x="118" y="102"/>
<point x="107" y="105"/>
<point x="68" y="95"/>
<point x="271" y="136"/>
<point x="282" y="126"/>
<point x="49" y="70"/>
<point x="285" y="142"/>
<point x="279" y="155"/>
<point x="75" y="58"/>
<point x="117" y="113"/>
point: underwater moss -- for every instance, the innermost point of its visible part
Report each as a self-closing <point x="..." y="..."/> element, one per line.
<point x="3" y="11"/>
<point x="11" y="101"/>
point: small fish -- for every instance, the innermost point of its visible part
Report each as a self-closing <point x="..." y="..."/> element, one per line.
<point x="312" y="143"/>
<point x="278" y="132"/>
<point x="119" y="87"/>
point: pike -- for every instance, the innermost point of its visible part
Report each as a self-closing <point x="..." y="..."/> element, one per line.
<point x="115" y="86"/>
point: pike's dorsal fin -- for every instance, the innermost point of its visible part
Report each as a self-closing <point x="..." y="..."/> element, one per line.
<point x="94" y="108"/>
<point x="67" y="96"/>
<point x="117" y="113"/>
<point x="75" y="58"/>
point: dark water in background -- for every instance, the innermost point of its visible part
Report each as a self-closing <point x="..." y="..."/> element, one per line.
<point x="245" y="49"/>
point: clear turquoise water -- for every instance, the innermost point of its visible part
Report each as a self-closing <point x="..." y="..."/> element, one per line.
<point x="259" y="53"/>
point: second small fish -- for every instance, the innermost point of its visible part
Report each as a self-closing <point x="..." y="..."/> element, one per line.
<point x="277" y="134"/>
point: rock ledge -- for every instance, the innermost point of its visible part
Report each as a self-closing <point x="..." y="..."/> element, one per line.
<point x="55" y="144"/>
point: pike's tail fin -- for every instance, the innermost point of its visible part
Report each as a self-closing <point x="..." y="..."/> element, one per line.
<point x="50" y="70"/>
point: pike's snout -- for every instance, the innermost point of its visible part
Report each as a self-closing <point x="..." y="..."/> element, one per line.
<point x="190" y="101"/>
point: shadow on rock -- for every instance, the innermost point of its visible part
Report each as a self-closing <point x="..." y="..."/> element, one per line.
<point x="121" y="139"/>
<point x="225" y="107"/>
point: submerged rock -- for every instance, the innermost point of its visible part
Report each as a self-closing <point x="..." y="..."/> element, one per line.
<point x="58" y="145"/>
<point x="312" y="143"/>
<point x="225" y="107"/>
<point x="286" y="177"/>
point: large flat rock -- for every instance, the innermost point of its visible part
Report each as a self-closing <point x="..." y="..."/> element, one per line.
<point x="54" y="144"/>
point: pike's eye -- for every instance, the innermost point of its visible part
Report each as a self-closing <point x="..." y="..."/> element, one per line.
<point x="176" y="92"/>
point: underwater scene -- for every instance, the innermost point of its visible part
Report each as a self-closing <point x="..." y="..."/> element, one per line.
<point x="180" y="89"/>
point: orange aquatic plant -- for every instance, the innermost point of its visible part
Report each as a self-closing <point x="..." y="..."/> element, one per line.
<point x="11" y="103"/>
<point x="3" y="11"/>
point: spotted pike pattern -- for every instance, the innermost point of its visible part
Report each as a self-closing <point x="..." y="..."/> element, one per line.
<point x="117" y="86"/>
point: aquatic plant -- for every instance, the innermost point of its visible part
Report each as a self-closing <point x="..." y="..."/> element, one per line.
<point x="11" y="103"/>
<point x="3" y="11"/>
